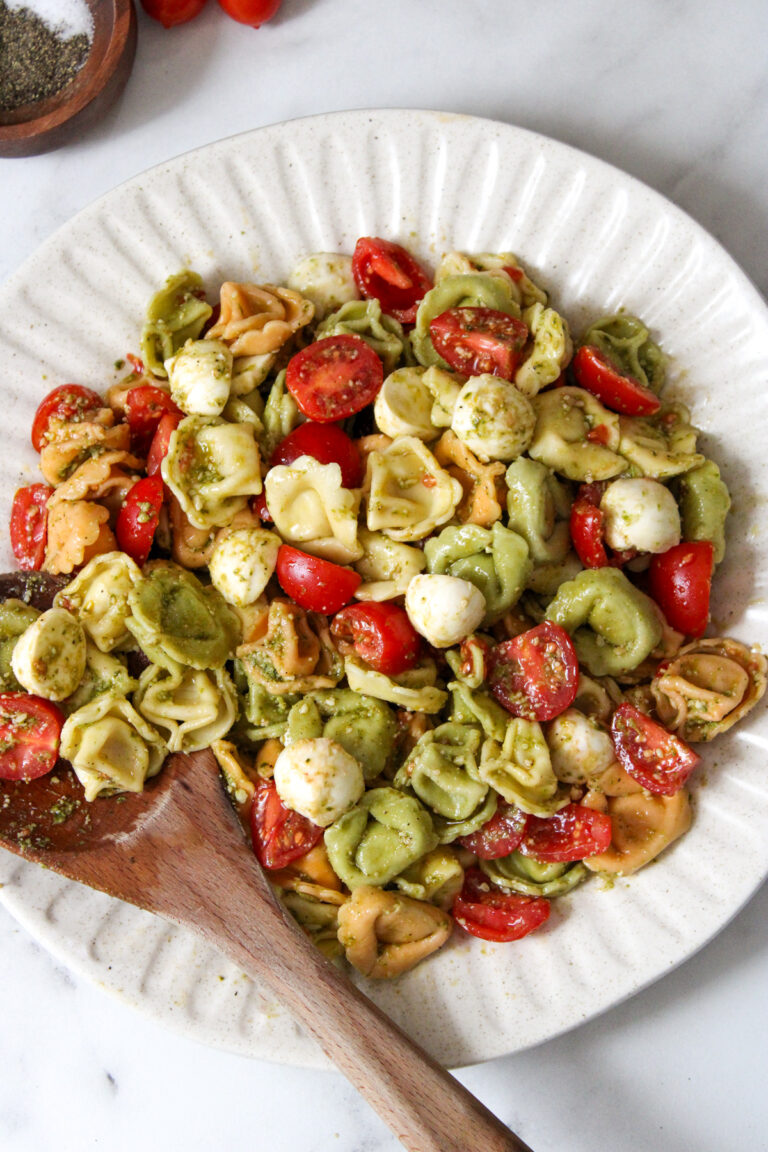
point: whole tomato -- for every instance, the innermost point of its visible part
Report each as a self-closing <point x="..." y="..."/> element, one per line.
<point x="172" y="12"/>
<point x="253" y="12"/>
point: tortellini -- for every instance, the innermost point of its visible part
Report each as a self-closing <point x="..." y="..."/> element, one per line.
<point x="482" y="484"/>
<point x="408" y="493"/>
<point x="551" y="352"/>
<point x="379" y="838"/>
<point x="177" y="313"/>
<point x="416" y="690"/>
<point x="200" y="375"/>
<point x="642" y="827"/>
<point x="295" y="653"/>
<point x="313" y="510"/>
<point x="660" y="446"/>
<point x="15" y="618"/>
<point x="264" y="715"/>
<point x="363" y="725"/>
<point x="539" y="507"/>
<point x="212" y="467"/>
<point x="279" y="417"/>
<point x="104" y="672"/>
<point x="520" y="769"/>
<point x="326" y="279"/>
<point x="242" y="563"/>
<point x="464" y="290"/>
<point x="99" y="597"/>
<point x="442" y="771"/>
<point x="475" y="706"/>
<point x="386" y="933"/>
<point x="403" y="406"/>
<point x="111" y="747"/>
<point x="704" y="503"/>
<point x="48" y="659"/>
<point x="493" y="418"/>
<point x="191" y="707"/>
<point x="495" y="560"/>
<point x="258" y="319"/>
<point x="710" y="685"/>
<point x="613" y="625"/>
<point x="448" y="831"/>
<point x="177" y="620"/>
<point x="500" y="264"/>
<point x="436" y="878"/>
<point x="576" y="436"/>
<point x="386" y="567"/>
<point x="364" y="318"/>
<point x="626" y="343"/>
<point x="529" y="877"/>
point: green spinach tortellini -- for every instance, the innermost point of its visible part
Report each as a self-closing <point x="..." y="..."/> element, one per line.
<point x="111" y="747"/>
<point x="465" y="290"/>
<point x="442" y="771"/>
<point x="436" y="878"/>
<point x="364" y="318"/>
<point x="191" y="707"/>
<point x="494" y="559"/>
<point x="177" y="313"/>
<point x="279" y="416"/>
<point x="613" y="625"/>
<point x="626" y="343"/>
<point x="520" y="769"/>
<point x="177" y="620"/>
<point x="704" y="503"/>
<point x="15" y="618"/>
<point x="539" y="507"/>
<point x="364" y="726"/>
<point x="529" y="877"/>
<point x="379" y="838"/>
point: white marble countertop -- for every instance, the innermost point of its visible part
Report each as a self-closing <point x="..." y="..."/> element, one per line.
<point x="677" y="95"/>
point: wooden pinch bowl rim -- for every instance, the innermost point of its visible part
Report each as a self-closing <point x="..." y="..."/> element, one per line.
<point x="47" y="124"/>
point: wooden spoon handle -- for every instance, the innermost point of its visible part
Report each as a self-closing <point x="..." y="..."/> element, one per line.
<point x="424" y="1106"/>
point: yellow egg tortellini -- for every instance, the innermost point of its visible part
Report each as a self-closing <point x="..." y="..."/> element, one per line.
<point x="551" y="351"/>
<point x="191" y="707"/>
<point x="442" y="771"/>
<point x="520" y="769"/>
<point x="436" y="878"/>
<point x="48" y="659"/>
<point x="379" y="838"/>
<point x="408" y="493"/>
<point x="177" y="620"/>
<point x="576" y="436"/>
<point x="416" y="690"/>
<point x="99" y="597"/>
<point x="212" y="467"/>
<point x="386" y="566"/>
<point x="104" y="672"/>
<point x="312" y="509"/>
<point x="416" y="402"/>
<point x="111" y="747"/>
<point x="177" y="313"/>
<point x="660" y="446"/>
<point x="494" y="559"/>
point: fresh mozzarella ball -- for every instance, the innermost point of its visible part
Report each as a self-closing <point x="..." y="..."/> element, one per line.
<point x="493" y="418"/>
<point x="319" y="779"/>
<point x="579" y="748"/>
<point x="640" y="514"/>
<point x="326" y="279"/>
<point x="49" y="658"/>
<point x="242" y="563"/>
<point x="200" y="375"/>
<point x="444" y="609"/>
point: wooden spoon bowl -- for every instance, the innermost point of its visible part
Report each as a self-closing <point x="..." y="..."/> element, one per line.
<point x="47" y="124"/>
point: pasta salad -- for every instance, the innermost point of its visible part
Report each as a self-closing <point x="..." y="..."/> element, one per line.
<point x="430" y="577"/>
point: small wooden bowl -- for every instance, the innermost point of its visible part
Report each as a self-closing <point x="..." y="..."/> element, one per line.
<point x="48" y="124"/>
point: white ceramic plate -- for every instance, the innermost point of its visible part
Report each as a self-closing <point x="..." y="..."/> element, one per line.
<point x="248" y="208"/>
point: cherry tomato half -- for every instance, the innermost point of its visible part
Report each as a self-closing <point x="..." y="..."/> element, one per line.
<point x="571" y="834"/>
<point x="382" y="634"/>
<point x="334" y="378"/>
<point x="259" y="506"/>
<point x="29" y="526"/>
<point x="70" y="403"/>
<point x="138" y="518"/>
<point x="620" y="393"/>
<point x="279" y="834"/>
<point x="158" y="449"/>
<point x="389" y="274"/>
<point x="491" y="914"/>
<point x="326" y="443"/>
<point x="30" y="728"/>
<point x="314" y="583"/>
<point x="145" y="406"/>
<point x="536" y="674"/>
<point x="680" y="581"/>
<point x="500" y="836"/>
<point x="253" y="12"/>
<point x="173" y="12"/>
<point x="657" y="759"/>
<point x="478" y="340"/>
<point x="587" y="526"/>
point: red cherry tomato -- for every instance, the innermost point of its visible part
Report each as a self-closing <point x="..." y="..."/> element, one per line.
<point x="279" y="834"/>
<point x="315" y="584"/>
<point x="571" y="834"/>
<point x="382" y="634"/>
<point x="500" y="836"/>
<point x="69" y="402"/>
<point x="491" y="914"/>
<point x="29" y="526"/>
<point x="172" y="12"/>
<point x="326" y="443"/>
<point x="259" y="506"/>
<point x="389" y="274"/>
<point x="138" y="518"/>
<point x="145" y="406"/>
<point x="587" y="527"/>
<point x="253" y="12"/>
<point x="536" y="674"/>
<point x="158" y="449"/>
<point x="680" y="581"/>
<point x="618" y="392"/>
<point x="334" y="378"/>
<point x="657" y="759"/>
<point x="30" y="728"/>
<point x="478" y="340"/>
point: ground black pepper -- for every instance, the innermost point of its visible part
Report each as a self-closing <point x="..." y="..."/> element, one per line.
<point x="35" y="63"/>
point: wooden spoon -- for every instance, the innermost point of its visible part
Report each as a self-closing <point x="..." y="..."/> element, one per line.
<point x="177" y="849"/>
